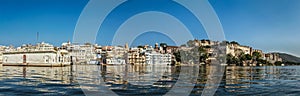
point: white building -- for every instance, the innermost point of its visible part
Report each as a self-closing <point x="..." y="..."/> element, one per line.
<point x="134" y="56"/>
<point x="273" y="57"/>
<point x="114" y="55"/>
<point x="82" y="53"/>
<point x="116" y="61"/>
<point x="158" y="58"/>
<point x="42" y="54"/>
<point x="245" y="49"/>
<point x="154" y="57"/>
<point x="2" y="48"/>
<point x="1" y="56"/>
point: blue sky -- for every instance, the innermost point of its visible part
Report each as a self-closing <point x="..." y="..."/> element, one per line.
<point x="270" y="25"/>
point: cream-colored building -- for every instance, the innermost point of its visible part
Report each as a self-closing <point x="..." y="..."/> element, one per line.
<point x="2" y="48"/>
<point x="82" y="53"/>
<point x="235" y="49"/>
<point x="115" y="55"/>
<point x="273" y="57"/>
<point x="245" y="49"/>
<point x="230" y="49"/>
<point x="158" y="58"/>
<point x="1" y="56"/>
<point x="204" y="42"/>
<point x="43" y="54"/>
<point x="135" y="57"/>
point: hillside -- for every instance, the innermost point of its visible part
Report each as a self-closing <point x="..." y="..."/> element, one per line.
<point x="289" y="58"/>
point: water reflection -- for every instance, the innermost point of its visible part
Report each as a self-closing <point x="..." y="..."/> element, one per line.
<point x="145" y="80"/>
<point x="37" y="80"/>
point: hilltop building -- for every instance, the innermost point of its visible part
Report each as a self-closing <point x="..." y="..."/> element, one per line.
<point x="273" y="57"/>
<point x="232" y="48"/>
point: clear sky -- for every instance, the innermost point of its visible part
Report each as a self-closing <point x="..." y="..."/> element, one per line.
<point x="270" y="25"/>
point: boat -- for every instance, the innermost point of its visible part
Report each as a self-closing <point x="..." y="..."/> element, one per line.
<point x="93" y="62"/>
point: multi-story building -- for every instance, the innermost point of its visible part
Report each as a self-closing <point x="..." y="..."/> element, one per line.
<point x="81" y="53"/>
<point x="172" y="49"/>
<point x="149" y="55"/>
<point x="245" y="49"/>
<point x="2" y="49"/>
<point x="114" y="55"/>
<point x="158" y="58"/>
<point x="273" y="57"/>
<point x="236" y="49"/>
<point x="202" y="43"/>
<point x="135" y="56"/>
<point x="207" y="43"/>
<point x="43" y="54"/>
<point x="230" y="49"/>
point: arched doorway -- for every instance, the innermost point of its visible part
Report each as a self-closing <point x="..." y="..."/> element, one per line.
<point x="24" y="58"/>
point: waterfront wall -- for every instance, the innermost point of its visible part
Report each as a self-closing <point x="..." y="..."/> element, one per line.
<point x="30" y="58"/>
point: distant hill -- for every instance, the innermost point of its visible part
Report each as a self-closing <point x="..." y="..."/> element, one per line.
<point x="289" y="58"/>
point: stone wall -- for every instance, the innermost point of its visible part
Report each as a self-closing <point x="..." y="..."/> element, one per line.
<point x="33" y="58"/>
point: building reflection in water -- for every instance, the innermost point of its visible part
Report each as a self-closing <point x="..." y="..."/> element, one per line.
<point x="143" y="79"/>
<point x="137" y="79"/>
<point x="44" y="74"/>
<point x="35" y="80"/>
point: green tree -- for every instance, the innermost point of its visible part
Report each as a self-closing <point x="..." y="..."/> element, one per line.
<point x="203" y="54"/>
<point x="256" y="56"/>
<point x="245" y="57"/>
<point x="177" y="56"/>
<point x="261" y="61"/>
<point x="232" y="60"/>
<point x="87" y="43"/>
<point x="140" y="46"/>
<point x="234" y="42"/>
<point x="190" y="43"/>
<point x="229" y="59"/>
<point x="163" y="44"/>
<point x="278" y="63"/>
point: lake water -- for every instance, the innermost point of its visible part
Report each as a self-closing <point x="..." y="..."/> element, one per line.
<point x="145" y="80"/>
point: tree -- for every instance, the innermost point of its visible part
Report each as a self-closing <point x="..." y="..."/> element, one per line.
<point x="277" y="63"/>
<point x="203" y="54"/>
<point x="87" y="43"/>
<point x="183" y="45"/>
<point x="177" y="56"/>
<point x="203" y="57"/>
<point x="231" y="59"/>
<point x="140" y="46"/>
<point x="248" y="57"/>
<point x="163" y="44"/>
<point x="245" y="57"/>
<point x="190" y="43"/>
<point x="261" y="61"/>
<point x="234" y="42"/>
<point x="256" y="56"/>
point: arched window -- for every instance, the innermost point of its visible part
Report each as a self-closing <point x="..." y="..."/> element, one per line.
<point x="47" y="59"/>
<point x="5" y="59"/>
